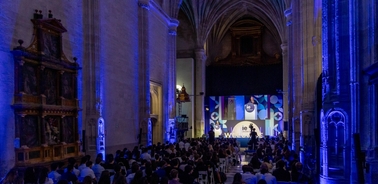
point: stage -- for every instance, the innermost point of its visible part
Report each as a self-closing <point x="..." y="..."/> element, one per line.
<point x="243" y="142"/>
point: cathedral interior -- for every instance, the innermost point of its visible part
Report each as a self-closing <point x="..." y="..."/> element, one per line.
<point x="92" y="76"/>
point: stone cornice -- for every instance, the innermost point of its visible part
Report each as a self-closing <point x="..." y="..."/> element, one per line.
<point x="173" y="26"/>
<point x="145" y="4"/>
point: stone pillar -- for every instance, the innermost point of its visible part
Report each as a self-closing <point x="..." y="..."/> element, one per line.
<point x="200" y="67"/>
<point x="288" y="64"/>
<point x="171" y="65"/>
<point x="92" y="80"/>
<point x="285" y="68"/>
<point x="144" y="69"/>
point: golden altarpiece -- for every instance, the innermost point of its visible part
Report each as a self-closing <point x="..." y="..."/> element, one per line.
<point x="45" y="99"/>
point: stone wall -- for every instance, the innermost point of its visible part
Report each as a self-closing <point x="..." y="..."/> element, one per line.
<point x="15" y="24"/>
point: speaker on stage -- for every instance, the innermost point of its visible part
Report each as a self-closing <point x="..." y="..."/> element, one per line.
<point x="286" y="126"/>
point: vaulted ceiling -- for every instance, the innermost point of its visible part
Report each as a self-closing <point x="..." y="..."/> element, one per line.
<point x="215" y="17"/>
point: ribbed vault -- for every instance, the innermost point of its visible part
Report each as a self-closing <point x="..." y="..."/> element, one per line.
<point x="216" y="16"/>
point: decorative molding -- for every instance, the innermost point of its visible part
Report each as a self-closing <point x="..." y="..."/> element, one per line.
<point x="144" y="4"/>
<point x="172" y="25"/>
<point x="288" y="13"/>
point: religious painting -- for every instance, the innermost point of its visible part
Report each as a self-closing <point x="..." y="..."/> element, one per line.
<point x="29" y="80"/>
<point x="29" y="133"/>
<point x="49" y="86"/>
<point x="67" y="86"/>
<point x="52" y="129"/>
<point x="68" y="128"/>
<point x="51" y="45"/>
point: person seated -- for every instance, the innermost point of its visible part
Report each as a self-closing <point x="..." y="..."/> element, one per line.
<point x="297" y="174"/>
<point x="83" y="162"/>
<point x="134" y="169"/>
<point x="264" y="174"/>
<point x="247" y="175"/>
<point x="145" y="155"/>
<point x="72" y="161"/>
<point x="87" y="171"/>
<point x="97" y="168"/>
<point x="138" y="178"/>
<point x="238" y="179"/>
<point x="174" y="175"/>
<point x="110" y="162"/>
<point x="54" y="175"/>
<point x="187" y="177"/>
<point x="69" y="175"/>
<point x="280" y="173"/>
<point x="104" y="178"/>
<point x="43" y="176"/>
<point x="255" y="162"/>
<point x="30" y="176"/>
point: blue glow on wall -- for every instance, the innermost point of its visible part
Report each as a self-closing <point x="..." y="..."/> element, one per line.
<point x="101" y="145"/>
<point x="74" y="48"/>
<point x="8" y="140"/>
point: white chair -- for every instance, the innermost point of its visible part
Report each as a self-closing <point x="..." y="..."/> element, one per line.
<point x="203" y="177"/>
<point x="224" y="164"/>
<point x="221" y="167"/>
<point x="211" y="176"/>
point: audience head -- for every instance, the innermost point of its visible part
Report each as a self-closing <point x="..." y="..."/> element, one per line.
<point x="247" y="168"/>
<point x="70" y="168"/>
<point x="164" y="180"/>
<point x="175" y="162"/>
<point x="173" y="174"/>
<point x="263" y="168"/>
<point x="299" y="166"/>
<point x="134" y="167"/>
<point x="89" y="164"/>
<point x="119" y="179"/>
<point x="43" y="173"/>
<point x="237" y="178"/>
<point x="83" y="160"/>
<point x="29" y="176"/>
<point x="280" y="164"/>
<point x="117" y="168"/>
<point x="98" y="160"/>
<point x="62" y="182"/>
<point x="262" y="181"/>
<point x="72" y="160"/>
<point x="162" y="163"/>
<point x="54" y="166"/>
<point x="188" y="169"/>
<point x="105" y="177"/>
<point x="87" y="180"/>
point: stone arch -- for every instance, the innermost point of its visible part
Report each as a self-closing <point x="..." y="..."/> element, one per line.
<point x="156" y="112"/>
<point x="334" y="148"/>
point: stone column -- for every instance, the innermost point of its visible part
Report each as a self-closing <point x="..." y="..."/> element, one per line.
<point x="144" y="68"/>
<point x="288" y="64"/>
<point x="285" y="68"/>
<point x="92" y="80"/>
<point x="172" y="32"/>
<point x="200" y="67"/>
<point x="171" y="65"/>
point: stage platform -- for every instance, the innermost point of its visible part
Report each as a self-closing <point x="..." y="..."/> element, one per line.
<point x="243" y="142"/>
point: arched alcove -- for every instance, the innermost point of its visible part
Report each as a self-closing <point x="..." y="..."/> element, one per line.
<point x="156" y="112"/>
<point x="333" y="148"/>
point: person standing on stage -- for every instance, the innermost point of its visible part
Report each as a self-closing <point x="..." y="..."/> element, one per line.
<point x="211" y="135"/>
<point x="253" y="138"/>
